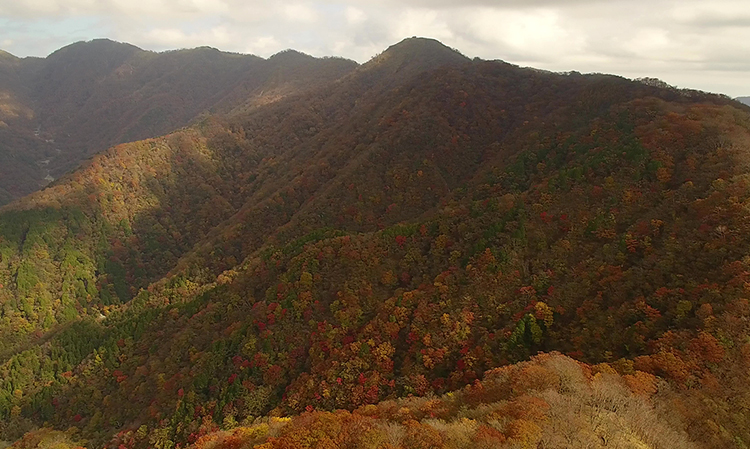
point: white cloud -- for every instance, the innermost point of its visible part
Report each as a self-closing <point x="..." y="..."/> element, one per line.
<point x="300" y="13"/>
<point x="355" y="16"/>
<point x="263" y="46"/>
<point x="534" y="35"/>
<point x="210" y="6"/>
<point x="30" y="7"/>
<point x="177" y="38"/>
<point x="422" y="22"/>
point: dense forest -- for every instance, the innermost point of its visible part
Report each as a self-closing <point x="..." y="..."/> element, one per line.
<point x="58" y="111"/>
<point x="429" y="251"/>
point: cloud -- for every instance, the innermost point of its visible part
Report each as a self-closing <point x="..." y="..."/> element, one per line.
<point x="263" y="45"/>
<point x="422" y="22"/>
<point x="300" y="13"/>
<point x="531" y="35"/>
<point x="177" y="38"/>
<point x="689" y="43"/>
<point x="355" y="16"/>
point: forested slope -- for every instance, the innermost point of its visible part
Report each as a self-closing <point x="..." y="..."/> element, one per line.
<point x="82" y="99"/>
<point x="403" y="231"/>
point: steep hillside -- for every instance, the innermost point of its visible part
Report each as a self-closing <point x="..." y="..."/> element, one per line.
<point x="89" y="96"/>
<point x="402" y="231"/>
<point x="551" y="401"/>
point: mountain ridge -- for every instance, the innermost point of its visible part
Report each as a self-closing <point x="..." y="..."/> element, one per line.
<point x="4" y="55"/>
<point x="91" y="95"/>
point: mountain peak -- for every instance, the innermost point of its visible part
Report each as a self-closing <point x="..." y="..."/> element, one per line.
<point x="416" y="44"/>
<point x="290" y="54"/>
<point x="94" y="47"/>
<point x="416" y="54"/>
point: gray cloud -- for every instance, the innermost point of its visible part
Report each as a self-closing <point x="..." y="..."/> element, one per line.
<point x="720" y="21"/>
<point x="688" y="43"/>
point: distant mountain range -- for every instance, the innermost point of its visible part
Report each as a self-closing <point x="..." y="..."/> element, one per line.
<point x="57" y="111"/>
<point x="422" y="251"/>
<point x="745" y="100"/>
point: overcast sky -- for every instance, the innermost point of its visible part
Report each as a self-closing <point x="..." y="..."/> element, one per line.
<point x="701" y="44"/>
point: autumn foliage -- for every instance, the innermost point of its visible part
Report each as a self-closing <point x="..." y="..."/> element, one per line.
<point x="379" y="260"/>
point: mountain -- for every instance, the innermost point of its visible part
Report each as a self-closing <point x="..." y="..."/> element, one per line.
<point x="744" y="100"/>
<point x="80" y="100"/>
<point x="381" y="258"/>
